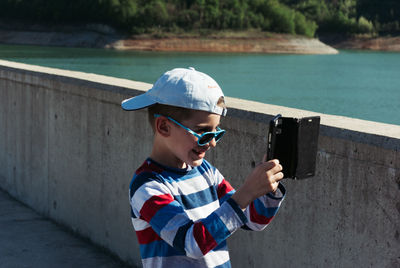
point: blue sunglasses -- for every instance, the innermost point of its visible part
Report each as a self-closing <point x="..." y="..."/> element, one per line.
<point x="202" y="139"/>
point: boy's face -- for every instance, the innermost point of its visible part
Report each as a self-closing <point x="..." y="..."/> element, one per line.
<point x="183" y="145"/>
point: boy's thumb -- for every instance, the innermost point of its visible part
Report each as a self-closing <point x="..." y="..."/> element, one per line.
<point x="264" y="158"/>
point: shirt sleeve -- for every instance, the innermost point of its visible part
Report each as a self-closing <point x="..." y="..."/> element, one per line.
<point x="261" y="211"/>
<point x="152" y="202"/>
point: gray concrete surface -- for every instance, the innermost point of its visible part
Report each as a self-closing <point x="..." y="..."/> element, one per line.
<point x="29" y="240"/>
<point x="68" y="150"/>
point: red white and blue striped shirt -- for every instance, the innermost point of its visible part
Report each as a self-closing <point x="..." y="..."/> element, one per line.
<point x="183" y="217"/>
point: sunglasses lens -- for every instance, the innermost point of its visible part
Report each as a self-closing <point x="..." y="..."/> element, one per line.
<point x="209" y="136"/>
<point x="206" y="139"/>
<point x="219" y="136"/>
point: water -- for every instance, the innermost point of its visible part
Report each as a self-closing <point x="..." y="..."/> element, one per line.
<point x="357" y="84"/>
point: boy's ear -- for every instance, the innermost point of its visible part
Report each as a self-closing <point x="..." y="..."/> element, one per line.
<point x="162" y="126"/>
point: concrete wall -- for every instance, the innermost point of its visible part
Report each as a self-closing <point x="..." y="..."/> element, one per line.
<point x="69" y="151"/>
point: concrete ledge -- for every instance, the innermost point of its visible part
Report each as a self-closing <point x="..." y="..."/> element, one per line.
<point x="123" y="86"/>
<point x="380" y="134"/>
<point x="68" y="150"/>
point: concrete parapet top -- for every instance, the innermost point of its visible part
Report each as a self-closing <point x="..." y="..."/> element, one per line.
<point x="115" y="83"/>
<point x="386" y="135"/>
<point x="380" y="134"/>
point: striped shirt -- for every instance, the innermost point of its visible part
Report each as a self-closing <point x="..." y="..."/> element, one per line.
<point x="183" y="217"/>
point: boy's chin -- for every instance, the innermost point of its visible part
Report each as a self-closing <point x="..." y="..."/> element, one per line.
<point x="196" y="163"/>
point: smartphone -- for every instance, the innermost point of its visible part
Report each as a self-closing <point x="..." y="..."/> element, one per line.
<point x="294" y="142"/>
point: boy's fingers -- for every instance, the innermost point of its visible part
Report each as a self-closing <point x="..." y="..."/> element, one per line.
<point x="275" y="168"/>
<point x="271" y="167"/>
<point x="278" y="176"/>
<point x="274" y="163"/>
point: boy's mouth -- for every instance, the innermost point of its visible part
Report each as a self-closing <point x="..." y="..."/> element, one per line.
<point x="201" y="152"/>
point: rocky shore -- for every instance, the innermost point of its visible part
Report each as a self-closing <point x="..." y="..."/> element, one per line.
<point x="276" y="43"/>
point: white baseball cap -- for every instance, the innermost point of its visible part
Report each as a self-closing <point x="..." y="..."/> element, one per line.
<point x="181" y="87"/>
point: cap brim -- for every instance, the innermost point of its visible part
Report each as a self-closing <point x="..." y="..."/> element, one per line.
<point x="137" y="102"/>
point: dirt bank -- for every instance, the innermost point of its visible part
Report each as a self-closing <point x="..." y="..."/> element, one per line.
<point x="388" y="43"/>
<point x="273" y="43"/>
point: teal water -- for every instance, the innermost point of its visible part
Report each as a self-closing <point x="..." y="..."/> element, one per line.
<point x="357" y="84"/>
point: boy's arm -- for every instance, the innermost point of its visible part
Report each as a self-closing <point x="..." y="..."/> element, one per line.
<point x="261" y="194"/>
<point x="259" y="212"/>
<point x="264" y="179"/>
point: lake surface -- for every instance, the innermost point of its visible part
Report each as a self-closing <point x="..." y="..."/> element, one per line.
<point x="357" y="84"/>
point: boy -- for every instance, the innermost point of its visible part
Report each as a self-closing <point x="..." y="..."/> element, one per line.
<point x="182" y="208"/>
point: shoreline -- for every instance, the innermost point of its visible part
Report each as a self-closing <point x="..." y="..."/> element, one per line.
<point x="276" y="44"/>
<point x="246" y="42"/>
<point x="273" y="43"/>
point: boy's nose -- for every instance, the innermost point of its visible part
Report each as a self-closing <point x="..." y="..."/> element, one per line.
<point x="213" y="143"/>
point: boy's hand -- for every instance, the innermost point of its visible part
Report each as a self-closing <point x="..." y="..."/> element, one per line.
<point x="263" y="179"/>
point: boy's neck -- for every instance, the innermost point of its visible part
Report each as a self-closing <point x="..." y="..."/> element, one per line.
<point x="162" y="155"/>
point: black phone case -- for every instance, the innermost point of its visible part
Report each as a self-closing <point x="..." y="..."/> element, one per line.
<point x="294" y="142"/>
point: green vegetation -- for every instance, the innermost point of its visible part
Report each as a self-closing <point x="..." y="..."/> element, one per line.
<point x="303" y="17"/>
